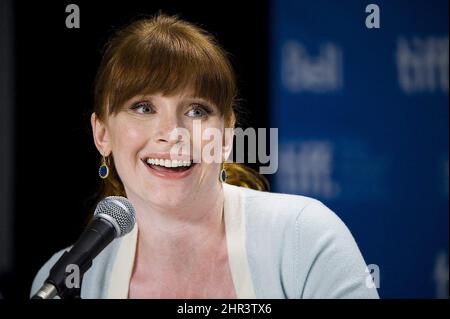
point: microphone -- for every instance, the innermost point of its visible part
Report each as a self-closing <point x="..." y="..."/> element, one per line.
<point x="114" y="217"/>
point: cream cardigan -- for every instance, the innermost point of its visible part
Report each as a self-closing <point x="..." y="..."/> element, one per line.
<point x="279" y="246"/>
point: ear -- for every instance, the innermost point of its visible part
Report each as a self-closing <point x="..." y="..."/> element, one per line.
<point x="228" y="140"/>
<point x="101" y="135"/>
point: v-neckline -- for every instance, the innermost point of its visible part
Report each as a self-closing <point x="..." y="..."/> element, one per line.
<point x="235" y="231"/>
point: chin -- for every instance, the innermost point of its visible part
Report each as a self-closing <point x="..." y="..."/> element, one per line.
<point x="170" y="198"/>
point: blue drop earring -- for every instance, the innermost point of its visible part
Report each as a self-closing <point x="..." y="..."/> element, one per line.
<point x="103" y="171"/>
<point x="223" y="175"/>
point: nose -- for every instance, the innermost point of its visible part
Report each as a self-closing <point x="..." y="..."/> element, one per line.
<point x="167" y="130"/>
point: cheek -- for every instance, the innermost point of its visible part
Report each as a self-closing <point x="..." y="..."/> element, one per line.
<point x="127" y="141"/>
<point x="131" y="133"/>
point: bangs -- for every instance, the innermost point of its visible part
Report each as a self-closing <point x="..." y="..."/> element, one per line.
<point x="149" y="58"/>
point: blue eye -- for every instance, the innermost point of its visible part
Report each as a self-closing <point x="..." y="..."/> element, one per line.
<point x="199" y="111"/>
<point x="142" y="108"/>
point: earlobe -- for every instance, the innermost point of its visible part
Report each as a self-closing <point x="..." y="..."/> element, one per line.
<point x="101" y="135"/>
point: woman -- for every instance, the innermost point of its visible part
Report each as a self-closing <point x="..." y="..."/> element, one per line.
<point x="199" y="232"/>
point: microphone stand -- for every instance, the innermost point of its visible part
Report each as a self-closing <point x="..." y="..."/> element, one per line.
<point x="56" y="284"/>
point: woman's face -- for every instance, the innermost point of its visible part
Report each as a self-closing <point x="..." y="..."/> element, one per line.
<point x="142" y="138"/>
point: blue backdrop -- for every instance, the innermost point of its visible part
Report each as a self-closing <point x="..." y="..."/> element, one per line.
<point x="363" y="126"/>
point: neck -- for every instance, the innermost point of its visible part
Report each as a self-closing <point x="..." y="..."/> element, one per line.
<point x="180" y="234"/>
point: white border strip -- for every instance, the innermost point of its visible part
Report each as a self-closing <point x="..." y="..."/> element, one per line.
<point x="236" y="242"/>
<point x="119" y="281"/>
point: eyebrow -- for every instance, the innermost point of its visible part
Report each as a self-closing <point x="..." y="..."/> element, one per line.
<point x="189" y="98"/>
<point x="199" y="99"/>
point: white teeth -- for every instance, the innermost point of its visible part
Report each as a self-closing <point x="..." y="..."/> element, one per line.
<point x="167" y="162"/>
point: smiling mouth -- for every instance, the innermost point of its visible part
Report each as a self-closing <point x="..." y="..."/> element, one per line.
<point x="165" y="165"/>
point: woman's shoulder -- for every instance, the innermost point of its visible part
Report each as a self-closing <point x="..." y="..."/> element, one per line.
<point x="278" y="207"/>
<point x="286" y="218"/>
<point x="304" y="241"/>
<point x="94" y="278"/>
